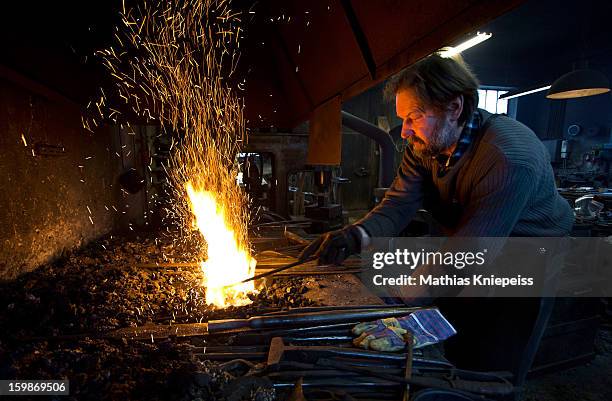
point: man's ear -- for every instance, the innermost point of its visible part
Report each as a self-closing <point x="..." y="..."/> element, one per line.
<point x="455" y="107"/>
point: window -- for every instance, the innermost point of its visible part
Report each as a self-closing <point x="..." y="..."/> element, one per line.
<point x="488" y="99"/>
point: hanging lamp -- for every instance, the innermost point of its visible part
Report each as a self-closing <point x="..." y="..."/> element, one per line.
<point x="579" y="83"/>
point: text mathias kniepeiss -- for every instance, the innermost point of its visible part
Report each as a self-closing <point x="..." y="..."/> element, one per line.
<point x="453" y="280"/>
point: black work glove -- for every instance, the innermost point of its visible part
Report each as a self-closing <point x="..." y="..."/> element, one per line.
<point x="335" y="246"/>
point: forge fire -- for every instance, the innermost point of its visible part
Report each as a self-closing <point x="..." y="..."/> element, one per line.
<point x="227" y="263"/>
<point x="185" y="54"/>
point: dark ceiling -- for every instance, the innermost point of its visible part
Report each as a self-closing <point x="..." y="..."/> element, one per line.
<point x="543" y="39"/>
<point x="328" y="48"/>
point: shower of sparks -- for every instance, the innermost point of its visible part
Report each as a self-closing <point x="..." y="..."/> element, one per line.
<point x="171" y="62"/>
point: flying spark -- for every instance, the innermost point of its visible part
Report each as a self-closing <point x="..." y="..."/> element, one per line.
<point x="171" y="63"/>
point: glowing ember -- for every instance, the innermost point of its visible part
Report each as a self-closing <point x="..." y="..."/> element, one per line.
<point x="227" y="262"/>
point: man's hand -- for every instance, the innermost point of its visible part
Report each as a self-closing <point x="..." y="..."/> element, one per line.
<point x="335" y="246"/>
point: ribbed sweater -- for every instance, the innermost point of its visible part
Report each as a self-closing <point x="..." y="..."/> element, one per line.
<point x="502" y="186"/>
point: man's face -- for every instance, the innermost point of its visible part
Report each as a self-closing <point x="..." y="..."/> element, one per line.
<point x="429" y="132"/>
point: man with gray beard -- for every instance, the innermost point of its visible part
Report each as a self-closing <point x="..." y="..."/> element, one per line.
<point x="479" y="175"/>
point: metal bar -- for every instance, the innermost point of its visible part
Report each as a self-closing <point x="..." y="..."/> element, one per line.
<point x="273" y="271"/>
<point x="283" y="223"/>
<point x="264" y="338"/>
<point x="228" y="356"/>
<point x="309" y="329"/>
<point x="329" y="308"/>
<point x="262" y="271"/>
<point x="319" y="273"/>
<point x="296" y="374"/>
<point x="354" y="382"/>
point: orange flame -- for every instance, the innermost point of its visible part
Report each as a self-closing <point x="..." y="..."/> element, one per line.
<point x="228" y="262"/>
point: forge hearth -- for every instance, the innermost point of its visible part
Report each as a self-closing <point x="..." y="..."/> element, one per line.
<point x="57" y="316"/>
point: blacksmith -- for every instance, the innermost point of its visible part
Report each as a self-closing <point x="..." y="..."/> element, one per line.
<point x="480" y="175"/>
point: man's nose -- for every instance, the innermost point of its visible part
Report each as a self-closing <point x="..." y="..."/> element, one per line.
<point x="406" y="130"/>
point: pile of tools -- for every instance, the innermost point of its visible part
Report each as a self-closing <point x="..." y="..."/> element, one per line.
<point x="307" y="353"/>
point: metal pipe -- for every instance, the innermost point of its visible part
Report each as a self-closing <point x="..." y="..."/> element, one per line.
<point x="385" y="144"/>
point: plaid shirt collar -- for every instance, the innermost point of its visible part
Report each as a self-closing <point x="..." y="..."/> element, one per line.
<point x="469" y="132"/>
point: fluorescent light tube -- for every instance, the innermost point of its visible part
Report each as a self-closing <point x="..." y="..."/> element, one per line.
<point x="525" y="92"/>
<point x="479" y="38"/>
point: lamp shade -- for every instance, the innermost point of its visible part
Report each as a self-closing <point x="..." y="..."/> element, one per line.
<point x="579" y="83"/>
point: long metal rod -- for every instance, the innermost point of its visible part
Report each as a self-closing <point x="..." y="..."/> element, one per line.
<point x="307" y="309"/>
<point x="273" y="271"/>
<point x="263" y="272"/>
<point x="308" y="319"/>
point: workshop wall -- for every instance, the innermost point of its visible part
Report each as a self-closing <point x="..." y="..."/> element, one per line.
<point x="58" y="180"/>
<point x="592" y="115"/>
<point x="533" y="111"/>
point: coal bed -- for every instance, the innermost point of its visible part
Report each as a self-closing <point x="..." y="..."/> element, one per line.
<point x="54" y="317"/>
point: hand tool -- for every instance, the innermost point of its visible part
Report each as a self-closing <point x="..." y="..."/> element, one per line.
<point x="309" y="353"/>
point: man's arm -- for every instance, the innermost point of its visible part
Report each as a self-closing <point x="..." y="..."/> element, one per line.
<point x="401" y="201"/>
